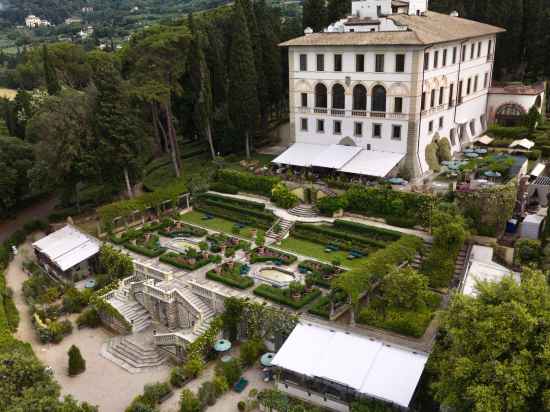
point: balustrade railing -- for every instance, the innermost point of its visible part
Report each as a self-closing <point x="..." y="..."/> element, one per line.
<point x="355" y="113"/>
<point x="338" y="112"/>
<point x="320" y="110"/>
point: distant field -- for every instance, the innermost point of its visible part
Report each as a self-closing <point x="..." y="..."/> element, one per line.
<point x="8" y="93"/>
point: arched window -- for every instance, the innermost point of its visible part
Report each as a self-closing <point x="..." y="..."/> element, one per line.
<point x="338" y="97"/>
<point x="509" y="114"/>
<point x="378" y="99"/>
<point x="320" y="95"/>
<point x="359" y="97"/>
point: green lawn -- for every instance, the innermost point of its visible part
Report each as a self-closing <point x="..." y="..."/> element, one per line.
<point x="218" y="224"/>
<point x="317" y="251"/>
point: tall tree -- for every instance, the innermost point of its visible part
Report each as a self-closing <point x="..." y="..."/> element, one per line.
<point x="52" y="83"/>
<point x="314" y="15"/>
<point x="243" y="104"/>
<point x="201" y="88"/>
<point x="337" y="9"/>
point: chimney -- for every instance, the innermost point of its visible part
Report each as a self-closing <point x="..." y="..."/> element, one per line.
<point x="454" y="13"/>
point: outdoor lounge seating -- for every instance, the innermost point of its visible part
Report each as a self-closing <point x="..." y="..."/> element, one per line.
<point x="240" y="385"/>
<point x="207" y="216"/>
<point x="245" y="269"/>
<point x="354" y="254"/>
<point x="331" y="248"/>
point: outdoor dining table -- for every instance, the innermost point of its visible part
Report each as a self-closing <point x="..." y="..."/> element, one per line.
<point x="222" y="345"/>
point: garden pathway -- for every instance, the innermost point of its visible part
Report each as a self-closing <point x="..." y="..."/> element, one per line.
<point x="283" y="213"/>
<point x="103" y="383"/>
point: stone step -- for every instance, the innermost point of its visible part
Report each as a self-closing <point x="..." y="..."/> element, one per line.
<point x="304" y="211"/>
<point x="127" y="358"/>
<point x="127" y="352"/>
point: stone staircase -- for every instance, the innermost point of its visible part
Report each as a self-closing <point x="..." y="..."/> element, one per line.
<point x="273" y="236"/>
<point x="132" y="311"/>
<point x="132" y="354"/>
<point x="304" y="210"/>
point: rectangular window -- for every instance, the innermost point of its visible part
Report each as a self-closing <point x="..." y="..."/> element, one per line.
<point x="431" y="126"/>
<point x="358" y="129"/>
<point x="460" y="91"/>
<point x="464" y="53"/>
<point x="479" y="49"/>
<point x="472" y="50"/>
<point x="399" y="63"/>
<point x="320" y="126"/>
<point x="436" y="59"/>
<point x="454" y="54"/>
<point x="426" y="61"/>
<point x="444" y="62"/>
<point x="432" y="98"/>
<point x="453" y="136"/>
<point x="337" y="62"/>
<point x="337" y="127"/>
<point x="303" y="62"/>
<point x="469" y="86"/>
<point x="423" y="102"/>
<point x="359" y="62"/>
<point x="376" y="130"/>
<point x="320" y="62"/>
<point x="441" y="96"/>
<point x="398" y="106"/>
<point x="490" y="49"/>
<point x="486" y="80"/>
<point x="304" y="99"/>
<point x="396" y="132"/>
<point x="451" y="94"/>
<point x="441" y="120"/>
<point x="476" y="81"/>
<point x="379" y="63"/>
<point x="303" y="125"/>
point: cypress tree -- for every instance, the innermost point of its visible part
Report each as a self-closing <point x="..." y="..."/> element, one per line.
<point x="216" y="64"/>
<point x="243" y="96"/>
<point x="338" y="9"/>
<point x="77" y="364"/>
<point x="52" y="84"/>
<point x="314" y="15"/>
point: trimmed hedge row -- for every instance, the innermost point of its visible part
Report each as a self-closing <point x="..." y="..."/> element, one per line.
<point x="248" y="216"/>
<point x="278" y="295"/>
<point x="321" y="308"/>
<point x="287" y="258"/>
<point x="135" y="233"/>
<point x="239" y="282"/>
<point x="247" y="182"/>
<point x="375" y="232"/>
<point x="171" y="259"/>
<point x="326" y="234"/>
<point x="142" y="250"/>
<point x="247" y="204"/>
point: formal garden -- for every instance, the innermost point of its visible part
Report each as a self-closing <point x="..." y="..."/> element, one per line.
<point x="233" y="274"/>
<point x="190" y="260"/>
<point x="226" y="245"/>
<point x="267" y="254"/>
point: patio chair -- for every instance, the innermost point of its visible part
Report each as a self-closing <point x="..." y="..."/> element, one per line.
<point x="240" y="385"/>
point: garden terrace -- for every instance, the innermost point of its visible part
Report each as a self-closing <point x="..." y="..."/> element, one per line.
<point x="232" y="274"/>
<point x="320" y="273"/>
<point x="191" y="260"/>
<point x="265" y="254"/>
<point x="228" y="244"/>
<point x="218" y="224"/>
<point x="147" y="244"/>
<point x="179" y="229"/>
<point x="295" y="296"/>
<point x="242" y="213"/>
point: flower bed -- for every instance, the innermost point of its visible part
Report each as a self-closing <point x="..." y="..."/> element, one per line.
<point x="320" y="273"/>
<point x="231" y="244"/>
<point x="230" y="274"/>
<point x="148" y="245"/>
<point x="191" y="260"/>
<point x="284" y="296"/>
<point x="265" y="254"/>
<point x="131" y="234"/>
<point x="179" y="229"/>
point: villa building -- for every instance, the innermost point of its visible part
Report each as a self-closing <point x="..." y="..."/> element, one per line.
<point x="371" y="92"/>
<point x="32" y="21"/>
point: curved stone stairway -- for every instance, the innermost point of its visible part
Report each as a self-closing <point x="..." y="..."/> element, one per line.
<point x="304" y="210"/>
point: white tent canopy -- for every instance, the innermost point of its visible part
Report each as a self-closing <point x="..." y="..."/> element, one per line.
<point x="67" y="247"/>
<point x="335" y="156"/>
<point x="300" y="154"/>
<point x="486" y="140"/>
<point x="525" y="143"/>
<point x="372" y="163"/>
<point x="537" y="170"/>
<point x="370" y="367"/>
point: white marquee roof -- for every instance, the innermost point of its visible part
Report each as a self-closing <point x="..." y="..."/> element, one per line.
<point x="372" y="163"/>
<point x="300" y="154"/>
<point x="67" y="247"/>
<point x="335" y="156"/>
<point x="368" y="366"/>
<point x="525" y="143"/>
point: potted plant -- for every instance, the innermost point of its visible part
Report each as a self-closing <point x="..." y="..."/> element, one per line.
<point x="296" y="290"/>
<point x="309" y="283"/>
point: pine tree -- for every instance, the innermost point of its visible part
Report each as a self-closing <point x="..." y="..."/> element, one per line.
<point x="314" y="15"/>
<point x="77" y="364"/>
<point x="201" y="88"/>
<point x="243" y="96"/>
<point x="52" y="84"/>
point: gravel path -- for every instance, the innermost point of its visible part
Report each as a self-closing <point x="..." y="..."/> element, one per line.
<point x="39" y="210"/>
<point x="103" y="383"/>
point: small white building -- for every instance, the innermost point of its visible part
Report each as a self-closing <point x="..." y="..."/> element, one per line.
<point x="509" y="102"/>
<point x="330" y="368"/>
<point x="389" y="79"/>
<point x="73" y="20"/>
<point x="32" y="21"/>
<point x="68" y="253"/>
<point x="482" y="268"/>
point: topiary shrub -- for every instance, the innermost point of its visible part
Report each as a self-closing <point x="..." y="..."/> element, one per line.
<point x="89" y="317"/>
<point x="282" y="197"/>
<point x="77" y="364"/>
<point x="177" y="377"/>
<point x="444" y="149"/>
<point x="431" y="157"/>
<point x="332" y="204"/>
<point x="189" y="402"/>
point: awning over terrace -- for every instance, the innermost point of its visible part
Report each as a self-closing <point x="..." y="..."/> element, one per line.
<point x="372" y="163"/>
<point x="370" y="367"/>
<point x="335" y="156"/>
<point x="300" y="154"/>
